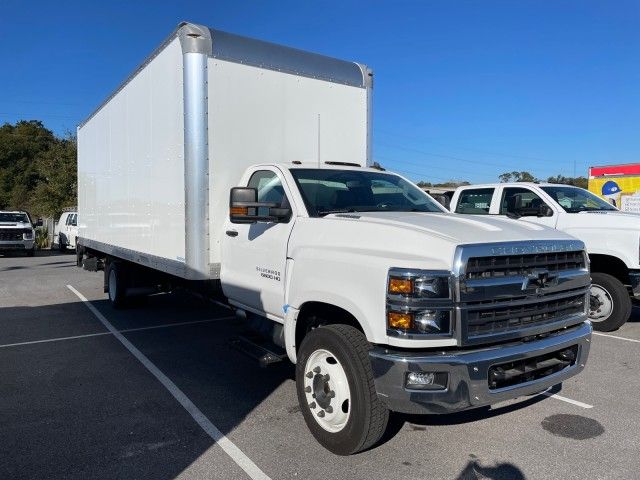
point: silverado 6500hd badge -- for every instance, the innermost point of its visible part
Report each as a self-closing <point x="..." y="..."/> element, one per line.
<point x="269" y="273"/>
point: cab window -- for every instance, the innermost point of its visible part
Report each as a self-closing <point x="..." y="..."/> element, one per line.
<point x="475" y="201"/>
<point x="520" y="201"/>
<point x="269" y="188"/>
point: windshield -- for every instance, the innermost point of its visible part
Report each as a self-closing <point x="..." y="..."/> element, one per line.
<point x="328" y="191"/>
<point x="575" y="200"/>
<point x="13" y="217"/>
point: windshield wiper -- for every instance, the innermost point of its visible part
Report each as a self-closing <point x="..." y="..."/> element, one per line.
<point x="322" y="213"/>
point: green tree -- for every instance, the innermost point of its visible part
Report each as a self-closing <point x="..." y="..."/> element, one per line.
<point x="517" y="177"/>
<point x="581" y="182"/>
<point x="57" y="187"/>
<point x="37" y="169"/>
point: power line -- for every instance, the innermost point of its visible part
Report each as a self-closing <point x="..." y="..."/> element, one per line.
<point x="40" y="102"/>
<point x="423" y="175"/>
<point x="14" y="114"/>
<point x="449" y="157"/>
<point x="476" y="162"/>
<point x="391" y="161"/>
<point x="508" y="155"/>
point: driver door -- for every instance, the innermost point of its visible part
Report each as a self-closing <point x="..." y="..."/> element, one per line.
<point x="525" y="202"/>
<point x="254" y="256"/>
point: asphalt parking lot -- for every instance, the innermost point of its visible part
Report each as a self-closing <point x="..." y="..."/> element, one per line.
<point x="77" y="401"/>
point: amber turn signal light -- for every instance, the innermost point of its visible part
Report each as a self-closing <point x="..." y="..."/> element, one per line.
<point x="400" y="285"/>
<point x="239" y="211"/>
<point x="399" y="320"/>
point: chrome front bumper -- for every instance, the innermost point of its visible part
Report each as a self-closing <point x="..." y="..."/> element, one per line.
<point x="468" y="371"/>
<point x="21" y="245"/>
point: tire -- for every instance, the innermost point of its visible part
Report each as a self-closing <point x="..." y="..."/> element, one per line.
<point x="79" y="256"/>
<point x="31" y="252"/>
<point x="610" y="304"/>
<point x="345" y="350"/>
<point x="117" y="285"/>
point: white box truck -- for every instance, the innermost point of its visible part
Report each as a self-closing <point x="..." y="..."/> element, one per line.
<point x="230" y="162"/>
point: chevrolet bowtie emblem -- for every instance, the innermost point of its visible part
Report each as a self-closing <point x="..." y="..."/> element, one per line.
<point x="538" y="280"/>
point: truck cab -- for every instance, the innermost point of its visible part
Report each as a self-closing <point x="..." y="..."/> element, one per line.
<point x="611" y="237"/>
<point x="354" y="261"/>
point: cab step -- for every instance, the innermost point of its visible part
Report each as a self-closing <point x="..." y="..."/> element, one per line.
<point x="254" y="346"/>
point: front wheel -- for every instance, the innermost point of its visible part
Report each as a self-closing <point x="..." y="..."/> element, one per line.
<point x="609" y="302"/>
<point x="336" y="392"/>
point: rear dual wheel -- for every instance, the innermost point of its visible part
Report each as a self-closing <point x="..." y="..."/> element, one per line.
<point x="336" y="391"/>
<point x="117" y="285"/>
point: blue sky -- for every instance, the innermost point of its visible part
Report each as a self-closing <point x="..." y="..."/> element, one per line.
<point x="464" y="89"/>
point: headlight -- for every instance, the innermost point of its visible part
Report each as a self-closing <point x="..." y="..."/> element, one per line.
<point x="27" y="234"/>
<point x="425" y="322"/>
<point x="419" y="303"/>
<point x="419" y="283"/>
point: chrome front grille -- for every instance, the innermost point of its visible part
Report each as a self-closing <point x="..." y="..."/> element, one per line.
<point x="510" y="265"/>
<point x="513" y="290"/>
<point x="10" y="234"/>
<point x="492" y="319"/>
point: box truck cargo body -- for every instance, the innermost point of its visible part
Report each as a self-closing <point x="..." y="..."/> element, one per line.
<point x="157" y="159"/>
<point x="226" y="161"/>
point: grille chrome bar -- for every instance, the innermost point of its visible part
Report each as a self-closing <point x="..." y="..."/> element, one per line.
<point x="512" y="290"/>
<point x="10" y="234"/>
<point x="511" y="265"/>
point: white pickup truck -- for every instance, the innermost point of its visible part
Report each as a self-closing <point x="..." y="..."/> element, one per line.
<point x="16" y="233"/>
<point x="66" y="231"/>
<point x="612" y="237"/>
<point x="230" y="163"/>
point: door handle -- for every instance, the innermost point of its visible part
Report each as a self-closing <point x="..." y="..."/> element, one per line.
<point x="232" y="233"/>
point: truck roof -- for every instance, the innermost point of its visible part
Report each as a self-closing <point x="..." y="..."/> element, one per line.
<point x="529" y="184"/>
<point x="196" y="38"/>
<point x="325" y="166"/>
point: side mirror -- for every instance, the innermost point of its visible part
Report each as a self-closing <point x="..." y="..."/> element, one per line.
<point x="244" y="207"/>
<point x="38" y="223"/>
<point x="545" y="211"/>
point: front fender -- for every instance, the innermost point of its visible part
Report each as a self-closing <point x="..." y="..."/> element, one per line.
<point x="622" y="244"/>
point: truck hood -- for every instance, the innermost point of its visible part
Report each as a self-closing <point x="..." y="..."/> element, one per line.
<point x="603" y="220"/>
<point x="460" y="229"/>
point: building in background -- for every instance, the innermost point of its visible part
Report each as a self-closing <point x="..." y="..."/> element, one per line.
<point x="618" y="184"/>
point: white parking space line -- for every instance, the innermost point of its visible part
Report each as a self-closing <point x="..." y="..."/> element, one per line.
<point x="616" y="337"/>
<point x="57" y="339"/>
<point x="227" y="445"/>
<point x="164" y="325"/>
<point x="565" y="399"/>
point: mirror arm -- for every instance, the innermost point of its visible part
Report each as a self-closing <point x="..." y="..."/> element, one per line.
<point x="254" y="204"/>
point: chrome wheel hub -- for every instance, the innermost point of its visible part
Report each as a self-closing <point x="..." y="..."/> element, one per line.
<point x="600" y="304"/>
<point x="326" y="389"/>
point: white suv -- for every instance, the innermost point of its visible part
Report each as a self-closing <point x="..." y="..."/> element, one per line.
<point x="16" y="233"/>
